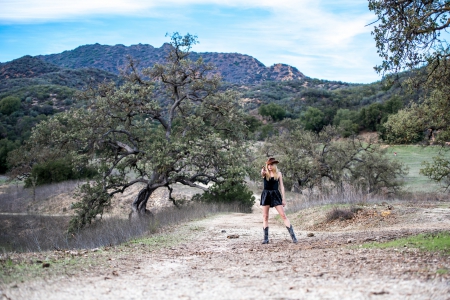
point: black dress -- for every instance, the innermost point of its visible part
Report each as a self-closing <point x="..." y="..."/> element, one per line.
<point x="271" y="195"/>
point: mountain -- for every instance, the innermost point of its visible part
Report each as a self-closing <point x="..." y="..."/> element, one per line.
<point x="26" y="67"/>
<point x="30" y="71"/>
<point x="234" y="67"/>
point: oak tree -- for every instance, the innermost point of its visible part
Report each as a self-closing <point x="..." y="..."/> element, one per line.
<point x="412" y="35"/>
<point x="166" y="125"/>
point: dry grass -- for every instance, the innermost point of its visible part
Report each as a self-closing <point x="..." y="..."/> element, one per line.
<point x="30" y="233"/>
<point x="16" y="199"/>
<point x="339" y="214"/>
<point x="297" y="202"/>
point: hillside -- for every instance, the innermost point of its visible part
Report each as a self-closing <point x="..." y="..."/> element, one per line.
<point x="234" y="67"/>
<point x="47" y="84"/>
<point x="27" y="71"/>
<point x="41" y="89"/>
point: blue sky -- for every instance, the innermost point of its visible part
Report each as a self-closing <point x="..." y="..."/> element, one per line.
<point x="324" y="39"/>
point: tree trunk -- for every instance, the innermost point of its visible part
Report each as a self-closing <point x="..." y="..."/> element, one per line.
<point x="139" y="206"/>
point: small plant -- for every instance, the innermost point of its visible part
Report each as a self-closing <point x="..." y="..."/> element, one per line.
<point x="442" y="271"/>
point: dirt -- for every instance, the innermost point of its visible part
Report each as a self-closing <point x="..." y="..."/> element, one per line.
<point x="222" y="258"/>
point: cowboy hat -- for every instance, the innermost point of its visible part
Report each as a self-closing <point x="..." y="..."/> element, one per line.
<point x="271" y="161"/>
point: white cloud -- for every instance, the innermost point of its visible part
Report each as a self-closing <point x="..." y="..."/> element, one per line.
<point x="308" y="34"/>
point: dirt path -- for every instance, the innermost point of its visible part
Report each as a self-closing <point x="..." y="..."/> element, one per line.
<point x="208" y="265"/>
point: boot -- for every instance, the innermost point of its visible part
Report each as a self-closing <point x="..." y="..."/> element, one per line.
<point x="291" y="232"/>
<point x="266" y="235"/>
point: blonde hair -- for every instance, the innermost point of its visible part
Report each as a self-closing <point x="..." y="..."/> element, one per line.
<point x="274" y="171"/>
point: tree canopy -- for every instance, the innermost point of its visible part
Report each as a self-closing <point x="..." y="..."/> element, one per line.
<point x="165" y="125"/>
<point x="322" y="160"/>
<point x="412" y="35"/>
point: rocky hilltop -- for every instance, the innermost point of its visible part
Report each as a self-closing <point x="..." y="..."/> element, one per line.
<point x="234" y="67"/>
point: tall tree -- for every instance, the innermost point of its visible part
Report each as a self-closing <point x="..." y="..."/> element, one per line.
<point x="165" y="126"/>
<point x="411" y="35"/>
<point x="408" y="33"/>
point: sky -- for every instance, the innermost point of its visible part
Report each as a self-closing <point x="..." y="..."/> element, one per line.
<point x="324" y="39"/>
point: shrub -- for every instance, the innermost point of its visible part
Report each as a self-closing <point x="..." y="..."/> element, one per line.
<point x="6" y="146"/>
<point x="228" y="192"/>
<point x="9" y="104"/>
<point x="272" y="110"/>
<point x="57" y="171"/>
<point x="339" y="214"/>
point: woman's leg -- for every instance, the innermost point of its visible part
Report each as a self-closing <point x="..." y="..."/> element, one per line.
<point x="265" y="213"/>
<point x="283" y="216"/>
<point x="288" y="225"/>
<point x="266" y="223"/>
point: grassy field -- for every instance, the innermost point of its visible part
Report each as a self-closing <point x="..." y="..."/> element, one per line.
<point x="439" y="242"/>
<point x="413" y="156"/>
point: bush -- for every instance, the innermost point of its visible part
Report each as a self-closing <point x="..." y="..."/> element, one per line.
<point x="6" y="146"/>
<point x="9" y="104"/>
<point x="57" y="171"/>
<point x="272" y="110"/>
<point x="228" y="192"/>
<point x="339" y="214"/>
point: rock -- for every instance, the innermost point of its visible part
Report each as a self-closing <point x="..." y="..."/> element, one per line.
<point x="46" y="265"/>
<point x="310" y="234"/>
<point x="223" y="231"/>
<point x="349" y="241"/>
<point x="385" y="213"/>
<point x="233" y="236"/>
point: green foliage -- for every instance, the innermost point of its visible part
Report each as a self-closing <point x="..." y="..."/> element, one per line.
<point x="371" y="116"/>
<point x="93" y="199"/>
<point x="6" y="146"/>
<point x="438" y="170"/>
<point x="346" y="121"/>
<point x="272" y="110"/>
<point x="405" y="127"/>
<point x="252" y="123"/>
<point x="433" y="242"/>
<point x="56" y="171"/>
<point x="266" y="131"/>
<point x="408" y="33"/>
<point x="228" y="192"/>
<point x="324" y="161"/>
<point x="313" y="119"/>
<point x="9" y="104"/>
<point x="171" y="126"/>
<point x="408" y="36"/>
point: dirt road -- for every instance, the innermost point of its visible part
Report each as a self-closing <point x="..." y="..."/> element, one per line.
<point x="210" y="264"/>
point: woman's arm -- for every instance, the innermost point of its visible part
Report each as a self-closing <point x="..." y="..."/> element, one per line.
<point x="280" y="178"/>
<point x="263" y="172"/>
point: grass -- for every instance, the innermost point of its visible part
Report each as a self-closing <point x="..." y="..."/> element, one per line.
<point x="413" y="156"/>
<point x="15" y="198"/>
<point x="28" y="233"/>
<point x="350" y="197"/>
<point x="436" y="242"/>
<point x="15" y="268"/>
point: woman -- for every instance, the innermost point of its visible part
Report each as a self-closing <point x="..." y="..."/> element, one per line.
<point x="271" y="197"/>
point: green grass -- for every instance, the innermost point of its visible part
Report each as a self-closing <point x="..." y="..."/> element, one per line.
<point x="439" y="242"/>
<point x="413" y="156"/>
